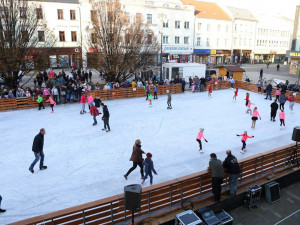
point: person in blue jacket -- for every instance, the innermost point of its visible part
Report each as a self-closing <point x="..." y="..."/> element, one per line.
<point x="149" y="167"/>
<point x="155" y="92"/>
<point x="1" y="210"/>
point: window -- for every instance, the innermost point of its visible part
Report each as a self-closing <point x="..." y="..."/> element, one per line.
<point x="166" y="24"/>
<point x="60" y="14"/>
<point x="218" y="41"/>
<point x="208" y="42"/>
<point x="177" y="24"/>
<point x="149" y="18"/>
<point x="72" y="15"/>
<point x="149" y="39"/>
<point x="227" y="28"/>
<point x="199" y="26"/>
<point x="177" y="40"/>
<point x="25" y="36"/>
<point x="22" y="13"/>
<point x="186" y="25"/>
<point x="127" y="17"/>
<point x="62" y="36"/>
<point x="186" y="40"/>
<point x="93" y="15"/>
<point x="39" y="13"/>
<point x="198" y="41"/>
<point x="41" y="36"/>
<point x="219" y="27"/>
<point x="94" y="38"/>
<point x="165" y="40"/>
<point x="138" y="17"/>
<point x="74" y="35"/>
<point x="208" y="27"/>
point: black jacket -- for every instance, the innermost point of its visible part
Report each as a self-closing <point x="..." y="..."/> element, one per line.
<point x="274" y="107"/>
<point x="97" y="102"/>
<point x="38" y="143"/>
<point x="269" y="87"/>
<point x="105" y="112"/>
<point x="231" y="164"/>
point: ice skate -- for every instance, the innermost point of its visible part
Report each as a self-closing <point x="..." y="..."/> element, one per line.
<point x="125" y="176"/>
<point x="31" y="170"/>
<point x="201" y="151"/>
<point x="43" y="167"/>
<point x="281" y="128"/>
<point x="107" y="131"/>
<point x="2" y="210"/>
<point x="104" y="129"/>
<point x="52" y="112"/>
<point x="81" y="112"/>
<point x="168" y="107"/>
<point x="242" y="151"/>
<point x="94" y="124"/>
<point x="143" y="181"/>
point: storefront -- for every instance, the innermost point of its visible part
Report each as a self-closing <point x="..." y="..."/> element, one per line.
<point x="64" y="57"/>
<point x="264" y="56"/>
<point x="178" y="54"/>
<point x="294" y="57"/>
<point x="223" y="57"/>
<point x="205" y="56"/>
<point x="241" y="56"/>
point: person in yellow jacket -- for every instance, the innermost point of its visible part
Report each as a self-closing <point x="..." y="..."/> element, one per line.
<point x="133" y="84"/>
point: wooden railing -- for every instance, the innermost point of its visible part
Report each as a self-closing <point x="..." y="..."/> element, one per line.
<point x="166" y="196"/>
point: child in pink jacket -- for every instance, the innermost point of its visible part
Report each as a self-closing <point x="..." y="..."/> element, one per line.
<point x="90" y="99"/>
<point x="249" y="107"/>
<point x="277" y="93"/>
<point x="244" y="139"/>
<point x="255" y="116"/>
<point x="52" y="103"/>
<point x="282" y="119"/>
<point x="199" y="137"/>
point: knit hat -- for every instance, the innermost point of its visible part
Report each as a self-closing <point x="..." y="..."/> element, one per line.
<point x="201" y="129"/>
<point x="149" y="155"/>
<point x="245" y="132"/>
<point x="91" y="104"/>
<point x="138" y="142"/>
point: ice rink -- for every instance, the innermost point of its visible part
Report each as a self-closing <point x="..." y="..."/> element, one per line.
<point x="87" y="164"/>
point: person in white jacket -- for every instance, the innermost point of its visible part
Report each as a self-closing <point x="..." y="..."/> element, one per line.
<point x="55" y="93"/>
<point x="106" y="87"/>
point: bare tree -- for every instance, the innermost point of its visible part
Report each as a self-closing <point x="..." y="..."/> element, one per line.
<point x="118" y="46"/>
<point x="24" y="40"/>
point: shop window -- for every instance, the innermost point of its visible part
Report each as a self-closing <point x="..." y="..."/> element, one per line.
<point x="72" y="15"/>
<point x="149" y="18"/>
<point x="62" y="36"/>
<point x="41" y="36"/>
<point x="74" y="36"/>
<point x="53" y="61"/>
<point x="60" y="14"/>
<point x="94" y="38"/>
<point x="63" y="61"/>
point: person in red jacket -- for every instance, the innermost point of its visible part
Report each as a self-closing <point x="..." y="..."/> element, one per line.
<point x="291" y="99"/>
<point x="235" y="95"/>
<point x="82" y="102"/>
<point x="209" y="91"/>
<point x="244" y="139"/>
<point x="94" y="112"/>
<point x="247" y="98"/>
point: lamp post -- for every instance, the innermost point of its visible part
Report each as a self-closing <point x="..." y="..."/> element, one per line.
<point x="161" y="63"/>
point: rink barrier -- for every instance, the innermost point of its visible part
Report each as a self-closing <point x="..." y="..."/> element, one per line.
<point x="162" y="198"/>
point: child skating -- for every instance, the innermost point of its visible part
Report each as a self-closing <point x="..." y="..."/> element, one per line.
<point x="249" y="107"/>
<point x="277" y="93"/>
<point x="255" y="116"/>
<point x="169" y="100"/>
<point x="148" y="168"/>
<point x="209" y="91"/>
<point x="94" y="112"/>
<point x="199" y="137"/>
<point x="52" y="103"/>
<point x="244" y="139"/>
<point x="282" y="119"/>
<point x="155" y="91"/>
<point x="291" y="99"/>
<point x="247" y="98"/>
<point x="90" y="99"/>
<point x="150" y="100"/>
<point x="235" y="95"/>
<point x="82" y="102"/>
<point x="40" y="101"/>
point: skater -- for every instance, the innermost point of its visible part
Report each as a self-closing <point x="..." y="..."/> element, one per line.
<point x="90" y="99"/>
<point x="193" y="86"/>
<point x="231" y="81"/>
<point x="269" y="91"/>
<point x="1" y="210"/>
<point x="274" y="108"/>
<point x="97" y="102"/>
<point x="291" y="99"/>
<point x="282" y="100"/>
<point x="232" y="167"/>
<point x="150" y="100"/>
<point x="183" y="83"/>
<point x="52" y="103"/>
<point x="282" y="119"/>
<point x="209" y="91"/>
<point x="155" y="91"/>
<point x="235" y="94"/>
<point x="259" y="84"/>
<point x="82" y="102"/>
<point x="105" y="117"/>
<point x="137" y="159"/>
<point x="169" y="100"/>
<point x="244" y="139"/>
<point x="247" y="98"/>
<point x="277" y="93"/>
<point x="37" y="148"/>
<point x="199" y="137"/>
<point x="249" y="107"/>
<point x="40" y="101"/>
<point x="255" y="117"/>
<point x="94" y="112"/>
<point x="217" y="176"/>
<point x="147" y="91"/>
<point x="149" y="167"/>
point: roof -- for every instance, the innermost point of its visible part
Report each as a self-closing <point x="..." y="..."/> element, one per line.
<point x="209" y="10"/>
<point x="233" y="68"/>
<point x="242" y="14"/>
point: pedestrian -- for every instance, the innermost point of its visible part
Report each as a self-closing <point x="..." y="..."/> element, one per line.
<point x="52" y="103"/>
<point x="183" y="83"/>
<point x="235" y="94"/>
<point x="291" y="99"/>
<point x="269" y="91"/>
<point x="249" y="107"/>
<point x="105" y="117"/>
<point x="90" y="75"/>
<point x="94" y="112"/>
<point x="277" y="93"/>
<point x="244" y="139"/>
<point x="261" y="73"/>
<point x="259" y="84"/>
<point x="232" y="167"/>
<point x="193" y="86"/>
<point x="37" y="148"/>
<point x="199" y="137"/>
<point x="97" y="101"/>
<point x="190" y="82"/>
<point x="282" y="100"/>
<point x="155" y="91"/>
<point x="282" y="119"/>
<point x="1" y="210"/>
<point x="137" y="159"/>
<point x="278" y="67"/>
<point x="55" y="94"/>
<point x="247" y="98"/>
<point x="40" y="101"/>
<point x="209" y="91"/>
<point x="255" y="116"/>
<point x="231" y="81"/>
<point x="169" y="102"/>
<point x="217" y="175"/>
<point x="148" y="168"/>
<point x="82" y="102"/>
<point x="274" y="108"/>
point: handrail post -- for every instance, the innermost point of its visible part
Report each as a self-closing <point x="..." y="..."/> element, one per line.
<point x="200" y="186"/>
<point x="83" y="216"/>
<point x="255" y="167"/>
<point x="171" y="195"/>
<point x="149" y="205"/>
<point x="274" y="161"/>
<point x="111" y="213"/>
<point x="262" y="166"/>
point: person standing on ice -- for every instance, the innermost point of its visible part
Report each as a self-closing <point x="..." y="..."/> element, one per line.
<point x="155" y="91"/>
<point x="149" y="167"/>
<point x="282" y="119"/>
<point x="255" y="116"/>
<point x="52" y="103"/>
<point x="269" y="91"/>
<point x="137" y="159"/>
<point x="90" y="99"/>
<point x="277" y="93"/>
<point x="291" y="99"/>
<point x="249" y="107"/>
<point x="199" y="137"/>
<point x="169" y="102"/>
<point x="94" y="112"/>
<point x="82" y="102"/>
<point x="150" y="100"/>
<point x="244" y="139"/>
<point x="209" y="91"/>
<point x="147" y="91"/>
<point x="247" y="98"/>
<point x="235" y="94"/>
<point x="40" y="101"/>
<point x="105" y="117"/>
<point x="274" y="108"/>
<point x="37" y="148"/>
<point x="1" y="210"/>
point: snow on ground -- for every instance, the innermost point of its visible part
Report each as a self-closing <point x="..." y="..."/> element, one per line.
<point x="86" y="164"/>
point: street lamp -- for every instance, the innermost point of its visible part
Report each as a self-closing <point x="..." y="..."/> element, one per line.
<point x="163" y="18"/>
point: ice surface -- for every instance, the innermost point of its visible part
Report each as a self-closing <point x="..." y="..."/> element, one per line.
<point x="86" y="164"/>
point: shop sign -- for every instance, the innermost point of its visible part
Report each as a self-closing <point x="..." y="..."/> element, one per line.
<point x="293" y="54"/>
<point x="201" y="51"/>
<point x="175" y="48"/>
<point x="213" y="52"/>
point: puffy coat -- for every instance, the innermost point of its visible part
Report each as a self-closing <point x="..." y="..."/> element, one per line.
<point x="105" y="112"/>
<point x="94" y="111"/>
<point x="137" y="154"/>
<point x="38" y="143"/>
<point x="282" y="99"/>
<point x="282" y="116"/>
<point x="231" y="164"/>
<point x="274" y="107"/>
<point x="149" y="167"/>
<point x="90" y="99"/>
<point x="82" y="99"/>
